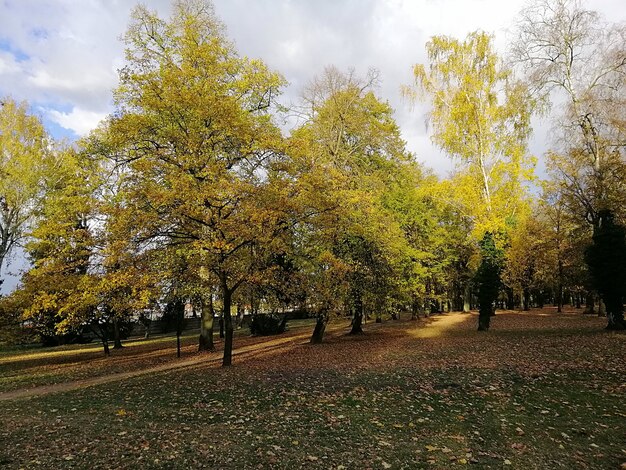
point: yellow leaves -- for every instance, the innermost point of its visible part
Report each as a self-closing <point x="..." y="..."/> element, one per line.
<point x="25" y="160"/>
<point x="42" y="302"/>
<point x="482" y="117"/>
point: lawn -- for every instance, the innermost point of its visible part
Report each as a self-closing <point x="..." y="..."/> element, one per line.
<point x="540" y="390"/>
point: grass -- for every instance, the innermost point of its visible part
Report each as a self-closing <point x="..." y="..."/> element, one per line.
<point x="538" y="391"/>
<point x="33" y="367"/>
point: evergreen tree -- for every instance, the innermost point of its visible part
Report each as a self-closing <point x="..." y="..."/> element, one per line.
<point x="606" y="258"/>
<point x="488" y="280"/>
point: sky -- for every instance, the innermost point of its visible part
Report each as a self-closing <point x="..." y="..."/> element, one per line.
<point x="62" y="56"/>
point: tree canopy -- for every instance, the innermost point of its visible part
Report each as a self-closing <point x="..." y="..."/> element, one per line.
<point x="194" y="195"/>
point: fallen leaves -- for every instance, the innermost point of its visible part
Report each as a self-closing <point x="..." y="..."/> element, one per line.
<point x="406" y="402"/>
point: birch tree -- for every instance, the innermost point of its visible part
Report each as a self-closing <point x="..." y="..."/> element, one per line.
<point x="575" y="59"/>
<point x="481" y="117"/>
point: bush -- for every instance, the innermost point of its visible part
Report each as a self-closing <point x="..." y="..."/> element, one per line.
<point x="269" y="324"/>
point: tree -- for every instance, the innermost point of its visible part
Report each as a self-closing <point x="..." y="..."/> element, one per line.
<point x="571" y="55"/>
<point x="522" y="260"/>
<point x="606" y="258"/>
<point x="488" y="280"/>
<point x="194" y="130"/>
<point x="25" y="157"/>
<point x="481" y="117"/>
<point x="84" y="271"/>
<point x="61" y="243"/>
<point x="348" y="150"/>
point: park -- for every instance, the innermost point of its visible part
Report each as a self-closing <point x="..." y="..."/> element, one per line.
<point x="217" y="251"/>
<point x="543" y="390"/>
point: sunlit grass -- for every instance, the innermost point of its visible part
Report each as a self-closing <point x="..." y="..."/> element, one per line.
<point x="14" y="355"/>
<point x="428" y="394"/>
<point x="437" y="326"/>
<point x="78" y="349"/>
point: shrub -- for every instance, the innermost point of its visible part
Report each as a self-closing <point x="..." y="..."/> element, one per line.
<point x="267" y="324"/>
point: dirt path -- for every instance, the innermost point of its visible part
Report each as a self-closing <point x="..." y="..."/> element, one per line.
<point x="200" y="360"/>
<point x="437" y="326"/>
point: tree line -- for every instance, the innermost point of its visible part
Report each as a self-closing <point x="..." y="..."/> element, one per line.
<point x="190" y="191"/>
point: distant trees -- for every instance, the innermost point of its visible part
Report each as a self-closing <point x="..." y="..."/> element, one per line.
<point x="351" y="145"/>
<point x="574" y="57"/>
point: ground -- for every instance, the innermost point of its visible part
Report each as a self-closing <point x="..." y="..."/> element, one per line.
<point x="539" y="390"/>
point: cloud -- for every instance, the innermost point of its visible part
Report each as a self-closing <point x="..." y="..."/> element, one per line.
<point x="8" y="64"/>
<point x="62" y="55"/>
<point x="78" y="120"/>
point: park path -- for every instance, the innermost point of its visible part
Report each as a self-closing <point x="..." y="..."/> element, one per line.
<point x="437" y="326"/>
<point x="199" y="360"/>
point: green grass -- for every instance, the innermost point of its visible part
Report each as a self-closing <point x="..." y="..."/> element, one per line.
<point x="355" y="420"/>
<point x="38" y="366"/>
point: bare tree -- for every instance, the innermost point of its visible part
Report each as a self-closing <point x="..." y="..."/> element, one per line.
<point x="574" y="58"/>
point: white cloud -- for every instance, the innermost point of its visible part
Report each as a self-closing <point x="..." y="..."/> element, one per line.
<point x="78" y="120"/>
<point x="8" y="64"/>
<point x="70" y="51"/>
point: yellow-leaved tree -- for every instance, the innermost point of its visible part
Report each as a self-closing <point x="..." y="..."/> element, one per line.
<point x="481" y="117"/>
<point x="347" y="154"/>
<point x="25" y="156"/>
<point x="202" y="154"/>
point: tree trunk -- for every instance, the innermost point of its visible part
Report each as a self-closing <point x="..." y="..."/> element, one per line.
<point x="357" y="319"/>
<point x="207" y="313"/>
<point x="104" y="330"/>
<point x="240" y="315"/>
<point x="228" y="326"/>
<point x="483" y="321"/>
<point x="526" y="299"/>
<point x="320" y="326"/>
<point x="282" y="326"/>
<point x="179" y="307"/>
<point x="117" y="340"/>
<point x="540" y="299"/>
<point x="559" y="287"/>
<point x="510" y="299"/>
<point x="467" y="295"/>
<point x="615" y="319"/>
<point x="414" y="309"/>
<point x="590" y="307"/>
